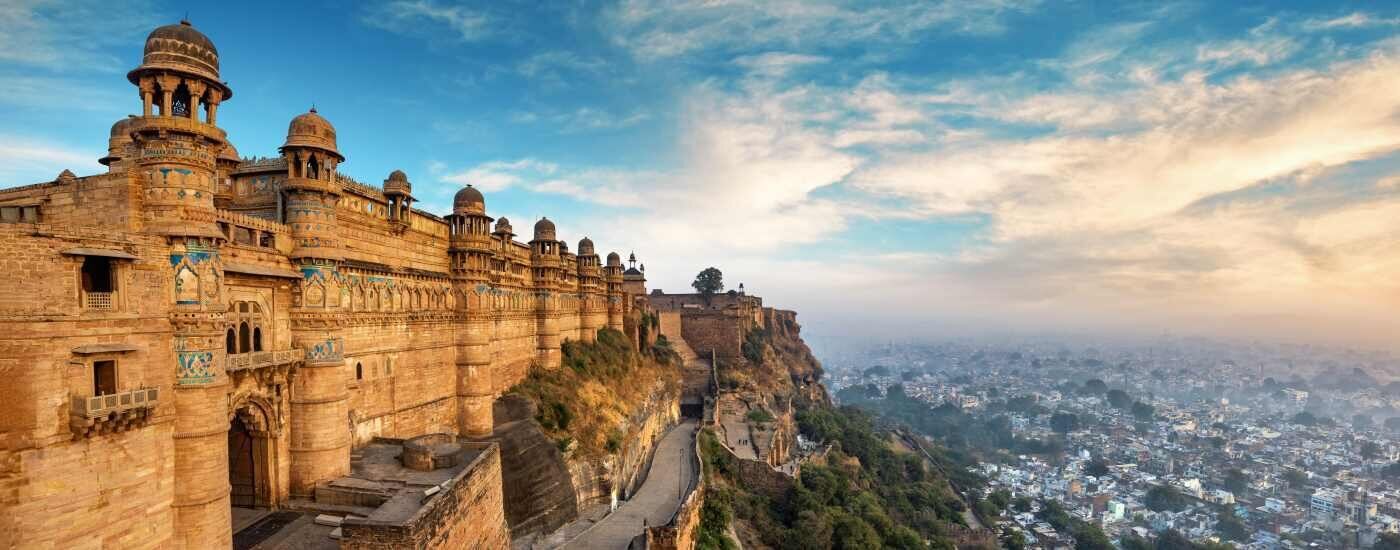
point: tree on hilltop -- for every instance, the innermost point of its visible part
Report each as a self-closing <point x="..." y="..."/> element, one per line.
<point x="1119" y="399"/>
<point x="708" y="283"/>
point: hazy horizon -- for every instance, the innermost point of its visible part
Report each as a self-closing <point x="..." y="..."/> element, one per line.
<point x="889" y="171"/>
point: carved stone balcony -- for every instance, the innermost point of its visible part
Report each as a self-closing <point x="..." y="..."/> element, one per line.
<point x="270" y="367"/>
<point x="100" y="414"/>
<point x="260" y="359"/>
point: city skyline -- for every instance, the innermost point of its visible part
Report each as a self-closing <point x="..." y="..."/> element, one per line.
<point x="887" y="170"/>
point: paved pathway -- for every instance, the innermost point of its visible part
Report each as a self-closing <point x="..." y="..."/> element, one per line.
<point x="671" y="473"/>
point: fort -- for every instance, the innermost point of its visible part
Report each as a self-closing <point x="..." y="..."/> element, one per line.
<point x="193" y="332"/>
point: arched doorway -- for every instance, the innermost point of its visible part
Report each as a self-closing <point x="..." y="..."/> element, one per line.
<point x="242" y="465"/>
<point x="252" y="454"/>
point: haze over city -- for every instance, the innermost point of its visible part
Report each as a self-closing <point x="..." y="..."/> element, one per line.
<point x="943" y="168"/>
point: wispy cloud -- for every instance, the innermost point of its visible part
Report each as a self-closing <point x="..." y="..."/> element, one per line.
<point x="411" y="17"/>
<point x="71" y="36"/>
<point x="655" y="30"/>
<point x="1352" y="20"/>
<point x="24" y="160"/>
<point x="583" y="119"/>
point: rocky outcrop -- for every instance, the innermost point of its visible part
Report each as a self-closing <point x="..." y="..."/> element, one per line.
<point x="537" y="483"/>
<point x="599" y="480"/>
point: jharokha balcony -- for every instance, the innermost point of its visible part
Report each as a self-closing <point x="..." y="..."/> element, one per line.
<point x="100" y="414"/>
<point x="259" y="359"/>
<point x="267" y="367"/>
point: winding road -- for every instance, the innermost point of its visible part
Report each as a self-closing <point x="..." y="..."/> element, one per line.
<point x="672" y="471"/>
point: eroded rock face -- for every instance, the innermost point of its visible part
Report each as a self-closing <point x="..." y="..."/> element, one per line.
<point x="544" y="489"/>
<point x="598" y="480"/>
<point x="538" y="487"/>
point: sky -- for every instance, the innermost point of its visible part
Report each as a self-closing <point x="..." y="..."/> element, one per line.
<point x="890" y="170"/>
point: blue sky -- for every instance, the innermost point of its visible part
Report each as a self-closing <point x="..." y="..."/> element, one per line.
<point x="888" y="169"/>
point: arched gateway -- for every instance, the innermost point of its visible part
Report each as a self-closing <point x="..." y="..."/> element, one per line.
<point x="253" y="470"/>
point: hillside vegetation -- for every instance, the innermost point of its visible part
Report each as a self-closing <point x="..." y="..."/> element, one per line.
<point x="584" y="404"/>
<point x="865" y="495"/>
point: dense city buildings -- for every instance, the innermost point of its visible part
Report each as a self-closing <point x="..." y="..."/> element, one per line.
<point x="1258" y="446"/>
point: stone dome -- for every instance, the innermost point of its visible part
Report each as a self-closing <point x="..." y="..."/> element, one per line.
<point x="614" y="260"/>
<point x="119" y="140"/>
<point x="181" y="48"/>
<point x="469" y="201"/>
<point x="585" y="247"/>
<point x="544" y="230"/>
<point x="503" y="226"/>
<point x="310" y="129"/>
<point x="397" y="183"/>
<point x="230" y="154"/>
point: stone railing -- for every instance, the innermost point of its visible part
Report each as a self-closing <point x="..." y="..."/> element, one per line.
<point x="260" y="359"/>
<point x="104" y="405"/>
<point x="116" y="412"/>
<point x="99" y="301"/>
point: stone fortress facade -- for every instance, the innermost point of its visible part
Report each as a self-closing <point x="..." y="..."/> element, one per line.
<point x="192" y="331"/>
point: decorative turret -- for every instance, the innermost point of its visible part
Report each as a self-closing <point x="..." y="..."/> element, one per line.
<point x="469" y="235"/>
<point x="174" y="145"/>
<point x="545" y="264"/>
<point x="311" y="191"/>
<point x="400" y="194"/>
<point x="119" y="145"/>
<point x="612" y="277"/>
<point x="591" y="289"/>
<point x="634" y="281"/>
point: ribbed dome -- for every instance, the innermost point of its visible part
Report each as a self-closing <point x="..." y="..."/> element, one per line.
<point x="585" y="247"/>
<point x="503" y="226"/>
<point x="544" y="230"/>
<point x="398" y="175"/>
<point x="310" y="129"/>
<point x="614" y="260"/>
<point x="469" y="201"/>
<point x="181" y="48"/>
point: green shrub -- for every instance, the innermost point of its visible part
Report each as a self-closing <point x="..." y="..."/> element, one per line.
<point x="754" y="342"/>
<point x="760" y="416"/>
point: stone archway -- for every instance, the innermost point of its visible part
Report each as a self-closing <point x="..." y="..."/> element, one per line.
<point x="252" y="459"/>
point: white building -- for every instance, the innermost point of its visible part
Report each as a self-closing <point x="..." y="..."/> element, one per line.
<point x="1326" y="502"/>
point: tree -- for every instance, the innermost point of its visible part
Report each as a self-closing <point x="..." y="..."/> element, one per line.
<point x="1230" y="527"/>
<point x="1295" y="478"/>
<point x="1119" y="399"/>
<point x="1387" y="541"/>
<point x="1096" y="467"/>
<point x="1361" y="422"/>
<point x="1370" y="450"/>
<point x="1064" y="422"/>
<point x="1143" y="412"/>
<point x="1163" y="497"/>
<point x="709" y="282"/>
<point x="1236" y="481"/>
<point x="1094" y="387"/>
<point x="1305" y="418"/>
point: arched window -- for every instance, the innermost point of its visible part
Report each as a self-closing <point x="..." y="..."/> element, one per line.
<point x="230" y="342"/>
<point x="257" y="339"/>
<point x="313" y="169"/>
<point x="244" y="338"/>
<point x="180" y="102"/>
<point x="359" y="371"/>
